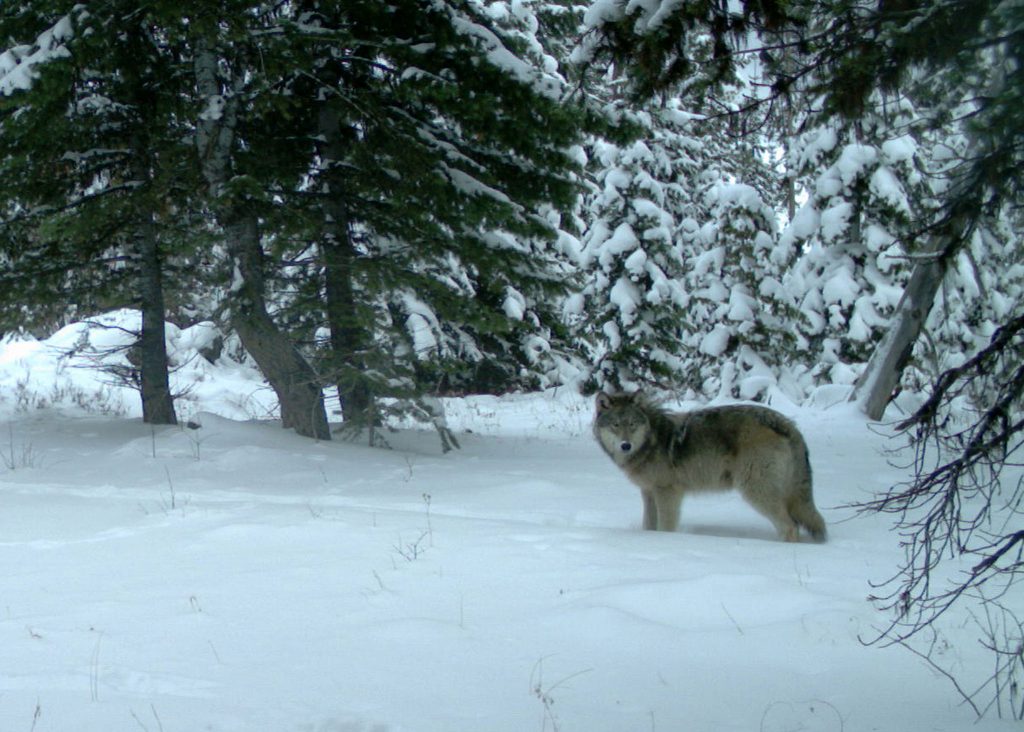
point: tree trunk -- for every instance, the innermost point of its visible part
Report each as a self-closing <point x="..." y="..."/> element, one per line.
<point x="154" y="386"/>
<point x="875" y="387"/>
<point x="297" y="387"/>
<point x="968" y="197"/>
<point x="294" y="382"/>
<point x="348" y="332"/>
<point x="157" y="402"/>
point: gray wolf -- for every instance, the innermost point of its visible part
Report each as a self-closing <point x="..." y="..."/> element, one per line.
<point x="669" y="454"/>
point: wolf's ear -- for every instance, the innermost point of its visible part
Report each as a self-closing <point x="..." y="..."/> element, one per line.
<point x="604" y="402"/>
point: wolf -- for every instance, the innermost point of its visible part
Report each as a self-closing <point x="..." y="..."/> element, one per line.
<point x="669" y="454"/>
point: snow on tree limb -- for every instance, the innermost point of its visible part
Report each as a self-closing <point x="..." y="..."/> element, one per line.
<point x="19" y="65"/>
<point x="499" y="55"/>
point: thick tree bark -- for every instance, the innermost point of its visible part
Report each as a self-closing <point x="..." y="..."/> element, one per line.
<point x="290" y="375"/>
<point x="294" y="381"/>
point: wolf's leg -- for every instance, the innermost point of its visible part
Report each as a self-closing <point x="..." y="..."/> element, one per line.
<point x="650" y="511"/>
<point x="802" y="511"/>
<point x="788" y="530"/>
<point x="773" y="507"/>
<point x="668" y="502"/>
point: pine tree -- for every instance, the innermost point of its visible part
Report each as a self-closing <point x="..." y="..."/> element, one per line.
<point x="634" y="308"/>
<point x="961" y="64"/>
<point x="955" y="60"/>
<point x="92" y="151"/>
<point x="246" y="164"/>
<point x="868" y="185"/>
<point x="706" y="313"/>
<point x="745" y="338"/>
<point x="439" y="169"/>
<point x="35" y="78"/>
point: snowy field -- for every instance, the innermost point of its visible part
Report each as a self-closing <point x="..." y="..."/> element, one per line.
<point x="237" y="577"/>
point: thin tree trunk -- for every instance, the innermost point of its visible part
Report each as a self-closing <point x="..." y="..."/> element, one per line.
<point x="968" y="195"/>
<point x="154" y="382"/>
<point x="876" y="385"/>
<point x="347" y="335"/>
<point x="158" y="403"/>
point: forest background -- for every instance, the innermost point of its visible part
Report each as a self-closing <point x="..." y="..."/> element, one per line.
<point x="407" y="200"/>
<point x="392" y="202"/>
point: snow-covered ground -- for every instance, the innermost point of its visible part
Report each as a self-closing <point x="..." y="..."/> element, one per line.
<point x="237" y="577"/>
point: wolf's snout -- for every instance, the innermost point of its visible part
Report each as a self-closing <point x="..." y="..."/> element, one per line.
<point x="626" y="446"/>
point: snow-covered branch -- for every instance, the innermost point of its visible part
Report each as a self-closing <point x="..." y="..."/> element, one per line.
<point x="19" y="65"/>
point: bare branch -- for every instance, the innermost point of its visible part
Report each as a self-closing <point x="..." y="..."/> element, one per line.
<point x="958" y="506"/>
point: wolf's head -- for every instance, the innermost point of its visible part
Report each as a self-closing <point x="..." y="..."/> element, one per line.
<point x="621" y="424"/>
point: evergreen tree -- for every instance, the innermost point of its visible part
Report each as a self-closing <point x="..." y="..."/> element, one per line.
<point x="440" y="165"/>
<point x="744" y="341"/>
<point x="961" y="65"/>
<point x="633" y="310"/>
<point x="93" y="184"/>
<point x="956" y="61"/>
<point x="247" y="163"/>
<point x="868" y="185"/>
<point x="687" y="279"/>
<point x="38" y="264"/>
